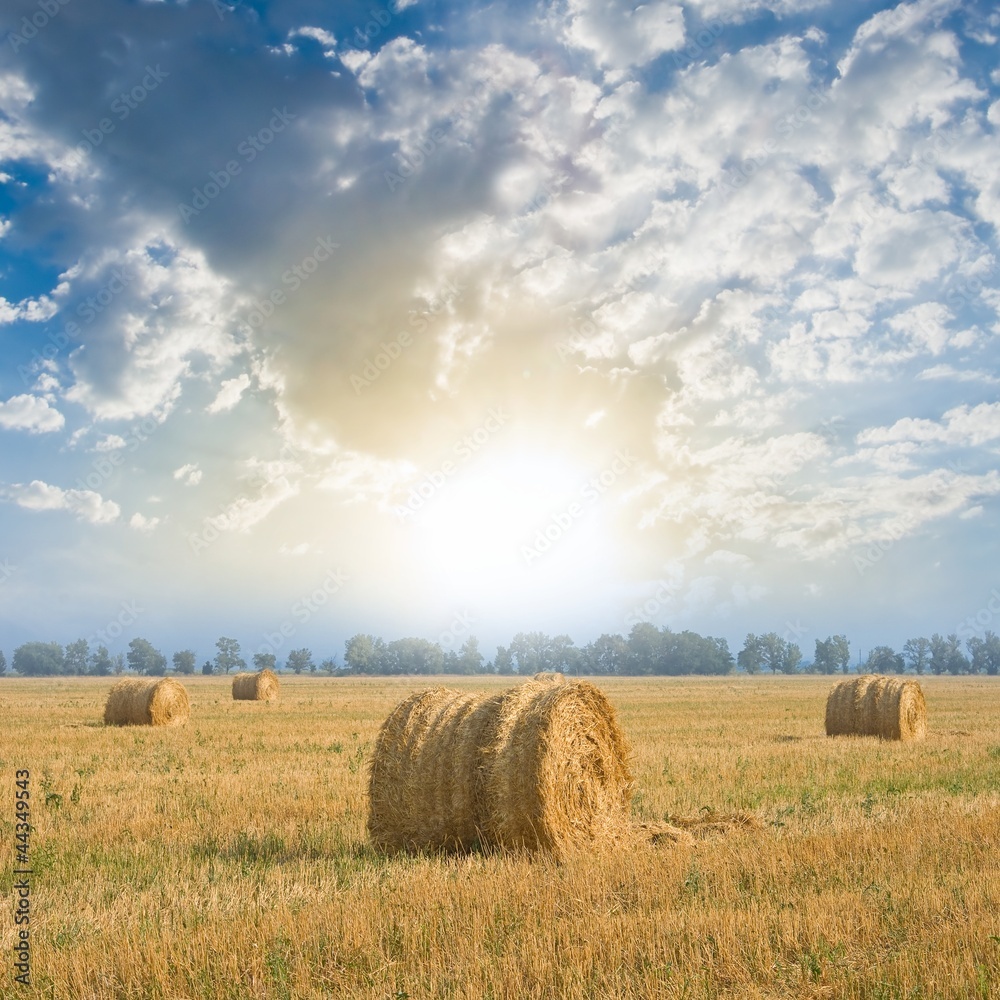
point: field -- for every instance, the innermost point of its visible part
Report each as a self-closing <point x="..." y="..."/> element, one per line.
<point x="228" y="859"/>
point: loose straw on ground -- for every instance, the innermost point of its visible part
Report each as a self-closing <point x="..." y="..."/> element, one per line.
<point x="139" y="701"/>
<point x="892" y="708"/>
<point x="260" y="686"/>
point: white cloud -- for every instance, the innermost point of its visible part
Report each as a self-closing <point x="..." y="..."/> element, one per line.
<point x="110" y="442"/>
<point x="189" y="474"/>
<point x="85" y="504"/>
<point x="135" y="361"/>
<point x="961" y="426"/>
<point x="139" y="522"/>
<point x="621" y="34"/>
<point x="30" y="413"/>
<point x="325" y="38"/>
<point x="229" y="394"/>
<point x="30" y="310"/>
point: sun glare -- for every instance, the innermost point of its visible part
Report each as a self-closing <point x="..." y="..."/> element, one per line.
<point x="507" y="522"/>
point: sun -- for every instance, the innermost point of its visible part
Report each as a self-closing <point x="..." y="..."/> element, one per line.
<point x="508" y="525"/>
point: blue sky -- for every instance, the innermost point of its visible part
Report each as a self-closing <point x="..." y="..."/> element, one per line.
<point x="429" y="318"/>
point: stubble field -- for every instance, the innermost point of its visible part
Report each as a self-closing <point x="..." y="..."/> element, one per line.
<point x="228" y="858"/>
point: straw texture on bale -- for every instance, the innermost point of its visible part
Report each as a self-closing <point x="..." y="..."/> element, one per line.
<point x="260" y="686"/>
<point x="542" y="766"/>
<point x="891" y="708"/>
<point x="138" y="701"/>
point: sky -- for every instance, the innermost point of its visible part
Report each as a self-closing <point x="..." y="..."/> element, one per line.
<point x="437" y="319"/>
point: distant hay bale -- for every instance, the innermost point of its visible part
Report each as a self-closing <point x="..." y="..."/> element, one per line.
<point x="549" y="675"/>
<point x="892" y="708"/>
<point x="140" y="701"/>
<point x="260" y="686"/>
<point x="542" y="766"/>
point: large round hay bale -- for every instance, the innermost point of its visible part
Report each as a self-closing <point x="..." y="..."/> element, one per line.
<point x="140" y="701"/>
<point x="892" y="708"/>
<point x="540" y="766"/>
<point x="260" y="686"/>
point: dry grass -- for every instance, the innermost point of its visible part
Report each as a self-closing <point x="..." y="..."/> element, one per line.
<point x="891" y="708"/>
<point x="540" y="766"/>
<point x="142" y="701"/>
<point x="260" y="686"/>
<point x="206" y="861"/>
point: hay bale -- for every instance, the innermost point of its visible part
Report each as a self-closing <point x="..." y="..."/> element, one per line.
<point x="260" y="686"/>
<point x="140" y="701"/>
<point x="542" y="766"/>
<point x="549" y="675"/>
<point x="892" y="708"/>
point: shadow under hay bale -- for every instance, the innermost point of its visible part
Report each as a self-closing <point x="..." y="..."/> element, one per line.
<point x="260" y="686"/>
<point x="138" y="701"/>
<point x="542" y="766"/>
<point x="891" y="708"/>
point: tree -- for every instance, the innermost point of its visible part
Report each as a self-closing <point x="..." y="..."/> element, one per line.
<point x="184" y="661"/>
<point x="504" y="662"/>
<point x="563" y="654"/>
<point x="207" y="668"/>
<point x="118" y="663"/>
<point x="608" y="654"/>
<point x="412" y="656"/>
<point x="985" y="653"/>
<point x="329" y="665"/>
<point x="228" y="656"/>
<point x="645" y="646"/>
<point x="884" y="660"/>
<point x="751" y="656"/>
<point x="144" y="659"/>
<point x="772" y="648"/>
<point x="76" y="656"/>
<point x="470" y="660"/>
<point x="955" y="659"/>
<point x="534" y="651"/>
<point x="939" y="654"/>
<point x="38" y="659"/>
<point x="688" y="652"/>
<point x="832" y="654"/>
<point x="361" y="654"/>
<point x="791" y="658"/>
<point x="264" y="661"/>
<point x="3" y="663"/>
<point x="917" y="653"/>
<point x="101" y="663"/>
<point x="300" y="659"/>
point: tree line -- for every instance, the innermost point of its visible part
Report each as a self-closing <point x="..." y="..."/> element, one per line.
<point x="646" y="650"/>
